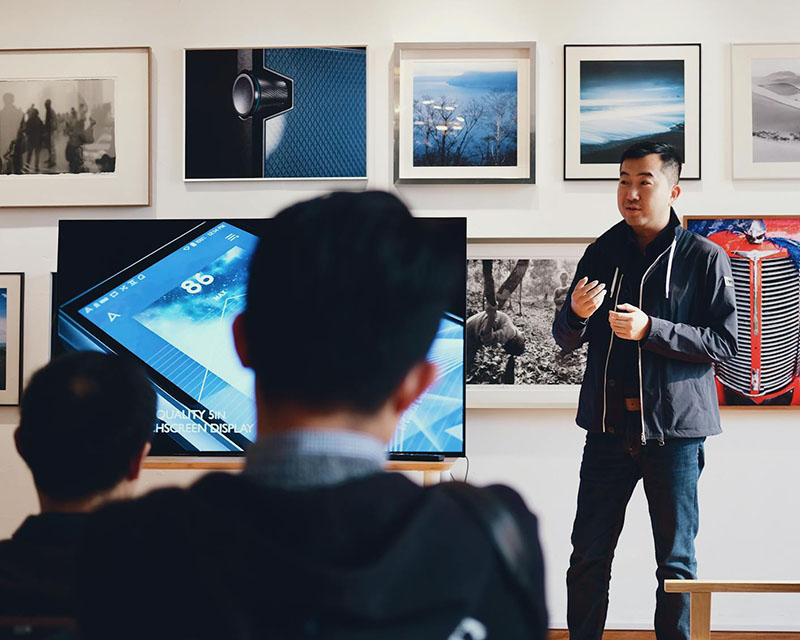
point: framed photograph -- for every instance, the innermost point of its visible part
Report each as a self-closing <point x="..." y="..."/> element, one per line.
<point x="11" y="292"/>
<point x="464" y="112"/>
<point x="513" y="361"/>
<point x="766" y="110"/>
<point x="75" y="127"/>
<point x="765" y="258"/>
<point x="277" y="113"/>
<point x="617" y="95"/>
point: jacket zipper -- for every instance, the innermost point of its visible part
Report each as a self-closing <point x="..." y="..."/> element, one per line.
<point x="639" y="344"/>
<point x="610" y="343"/>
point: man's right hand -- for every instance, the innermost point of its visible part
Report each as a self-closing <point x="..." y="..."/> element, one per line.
<point x="587" y="297"/>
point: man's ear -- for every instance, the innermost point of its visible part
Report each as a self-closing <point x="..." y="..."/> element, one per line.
<point x="676" y="191"/>
<point x="240" y="340"/>
<point x="18" y="443"/>
<point x="414" y="385"/>
<point x="138" y="460"/>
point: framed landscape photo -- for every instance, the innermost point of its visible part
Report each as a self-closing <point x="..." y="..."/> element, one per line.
<point x="11" y="292"/>
<point x="464" y="113"/>
<point x="275" y="113"/>
<point x="75" y="127"/>
<point x="766" y="110"/>
<point x="618" y="95"/>
<point x="514" y="362"/>
<point x="765" y="260"/>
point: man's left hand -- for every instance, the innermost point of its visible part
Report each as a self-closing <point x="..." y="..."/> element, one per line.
<point x="629" y="322"/>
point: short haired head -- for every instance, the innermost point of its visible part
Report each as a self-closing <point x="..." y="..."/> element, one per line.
<point x="564" y="277"/>
<point x="84" y="419"/>
<point x="671" y="163"/>
<point x="515" y="346"/>
<point x="345" y="296"/>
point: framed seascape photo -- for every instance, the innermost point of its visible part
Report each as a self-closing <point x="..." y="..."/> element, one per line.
<point x="766" y="110"/>
<point x="75" y="127"/>
<point x="765" y="259"/>
<point x="617" y="95"/>
<point x="11" y="291"/>
<point x="513" y="360"/>
<point x="275" y="113"/>
<point x="464" y="112"/>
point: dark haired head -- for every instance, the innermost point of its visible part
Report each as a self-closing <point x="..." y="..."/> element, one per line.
<point x="84" y="418"/>
<point x="515" y="346"/>
<point x="671" y="162"/>
<point x="346" y="293"/>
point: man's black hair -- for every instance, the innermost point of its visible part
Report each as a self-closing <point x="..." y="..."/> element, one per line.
<point x="345" y="296"/>
<point x="671" y="163"/>
<point x="84" y="417"/>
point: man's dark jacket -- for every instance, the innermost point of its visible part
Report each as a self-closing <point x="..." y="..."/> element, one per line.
<point x="375" y="557"/>
<point x="37" y="566"/>
<point x="689" y="295"/>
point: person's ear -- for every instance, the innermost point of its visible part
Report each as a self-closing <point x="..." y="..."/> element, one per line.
<point x="676" y="191"/>
<point x="135" y="468"/>
<point x="18" y="443"/>
<point x="240" y="340"/>
<point x="414" y="385"/>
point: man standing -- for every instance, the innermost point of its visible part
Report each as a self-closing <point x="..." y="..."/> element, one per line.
<point x="560" y="295"/>
<point x="656" y="304"/>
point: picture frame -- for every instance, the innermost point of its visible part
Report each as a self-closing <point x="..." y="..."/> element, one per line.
<point x="765" y="261"/>
<point x="765" y="111"/>
<point x="447" y="138"/>
<point x="605" y="111"/>
<point x="544" y="377"/>
<point x="75" y="127"/>
<point x="275" y="113"/>
<point x="12" y="287"/>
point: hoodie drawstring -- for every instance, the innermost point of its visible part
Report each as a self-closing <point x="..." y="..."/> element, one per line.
<point x="669" y="268"/>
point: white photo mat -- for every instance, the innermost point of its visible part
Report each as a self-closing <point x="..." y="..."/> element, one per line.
<point x="540" y="396"/>
<point x="742" y="57"/>
<point x="129" y="184"/>
<point x="408" y="56"/>
<point x="12" y="286"/>
<point x="575" y="54"/>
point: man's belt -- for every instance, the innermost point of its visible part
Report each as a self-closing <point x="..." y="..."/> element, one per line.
<point x="633" y="404"/>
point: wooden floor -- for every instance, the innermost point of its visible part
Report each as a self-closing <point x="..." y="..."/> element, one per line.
<point x="563" y="634"/>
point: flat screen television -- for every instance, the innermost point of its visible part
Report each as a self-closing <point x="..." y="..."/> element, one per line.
<point x="166" y="292"/>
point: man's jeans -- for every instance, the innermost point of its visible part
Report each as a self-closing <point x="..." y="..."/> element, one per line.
<point x="611" y="467"/>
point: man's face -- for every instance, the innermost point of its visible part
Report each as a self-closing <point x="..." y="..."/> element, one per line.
<point x="644" y="193"/>
<point x="563" y="279"/>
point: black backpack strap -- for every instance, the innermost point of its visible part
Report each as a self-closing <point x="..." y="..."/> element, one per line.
<point x="501" y="527"/>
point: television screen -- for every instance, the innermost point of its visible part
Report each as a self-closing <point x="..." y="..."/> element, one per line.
<point x="167" y="291"/>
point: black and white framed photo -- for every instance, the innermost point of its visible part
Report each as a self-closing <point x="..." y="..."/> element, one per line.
<point x="275" y="113"/>
<point x="618" y="95"/>
<point x="766" y="110"/>
<point x="514" y="290"/>
<point x="75" y="127"/>
<point x="11" y="292"/>
<point x="464" y="113"/>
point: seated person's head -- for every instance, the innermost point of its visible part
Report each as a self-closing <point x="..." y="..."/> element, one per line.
<point x="86" y="421"/>
<point x="515" y="346"/>
<point x="345" y="296"/>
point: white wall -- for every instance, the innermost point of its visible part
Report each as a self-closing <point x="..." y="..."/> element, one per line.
<point x="749" y="504"/>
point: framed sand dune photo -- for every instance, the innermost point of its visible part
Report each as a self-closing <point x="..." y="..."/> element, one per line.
<point x="766" y="110"/>
<point x="618" y="95"/>
<point x="75" y="127"/>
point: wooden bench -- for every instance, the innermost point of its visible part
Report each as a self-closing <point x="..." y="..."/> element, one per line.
<point x="700" y="592"/>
